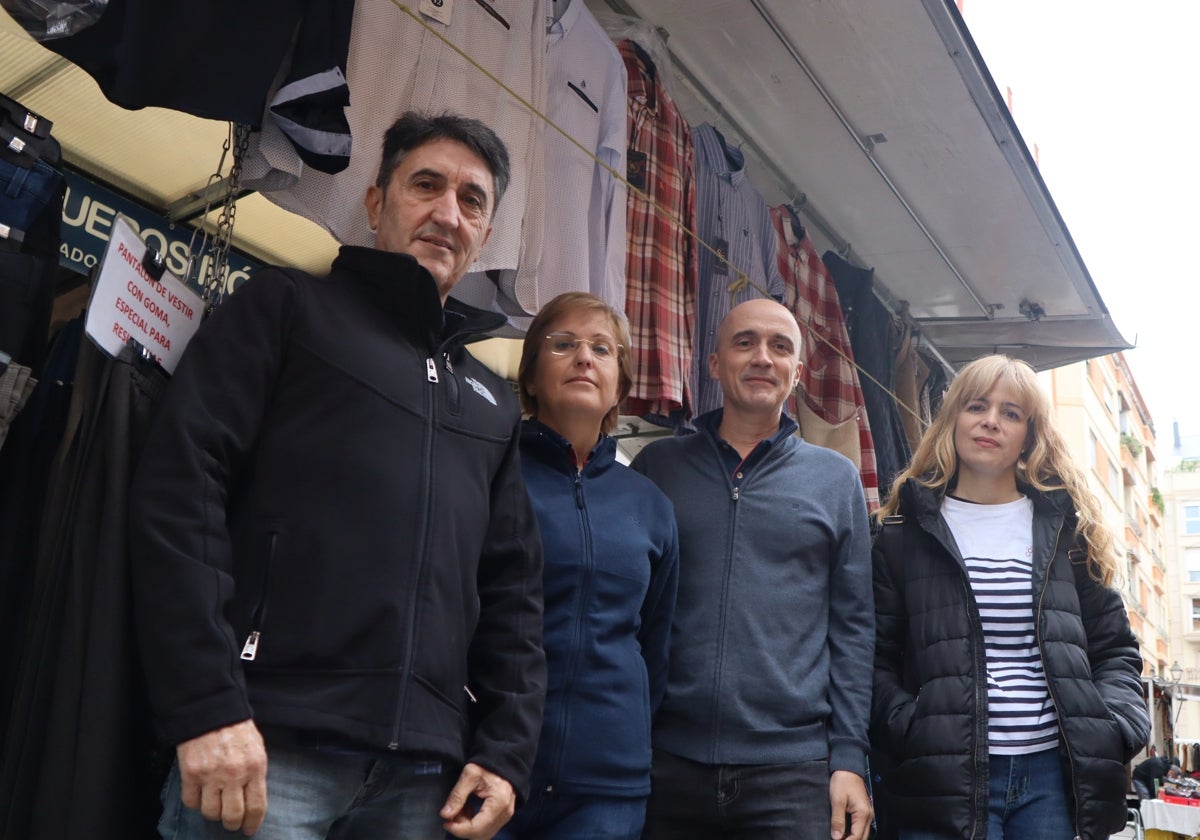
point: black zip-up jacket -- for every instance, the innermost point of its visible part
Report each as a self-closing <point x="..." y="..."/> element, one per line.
<point x="332" y="487"/>
<point x="930" y="711"/>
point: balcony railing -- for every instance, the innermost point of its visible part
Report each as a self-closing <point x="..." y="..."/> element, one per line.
<point x="1132" y="523"/>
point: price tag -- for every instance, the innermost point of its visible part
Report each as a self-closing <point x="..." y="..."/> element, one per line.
<point x="439" y="10"/>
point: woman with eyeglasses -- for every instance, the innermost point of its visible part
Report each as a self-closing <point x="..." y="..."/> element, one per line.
<point x="1008" y="693"/>
<point x="611" y="567"/>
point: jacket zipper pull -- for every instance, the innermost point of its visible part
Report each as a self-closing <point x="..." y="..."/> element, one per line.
<point x="446" y="360"/>
<point x="250" y="649"/>
<point x="736" y="493"/>
<point x="578" y="491"/>
<point x="431" y="370"/>
<point x="470" y="696"/>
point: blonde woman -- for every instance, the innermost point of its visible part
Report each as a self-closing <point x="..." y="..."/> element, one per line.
<point x="1007" y="691"/>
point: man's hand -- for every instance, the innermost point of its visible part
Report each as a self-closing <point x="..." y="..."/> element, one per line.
<point x="499" y="801"/>
<point x="848" y="794"/>
<point x="224" y="776"/>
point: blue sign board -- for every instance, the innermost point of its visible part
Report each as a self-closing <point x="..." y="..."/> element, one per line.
<point x="88" y="213"/>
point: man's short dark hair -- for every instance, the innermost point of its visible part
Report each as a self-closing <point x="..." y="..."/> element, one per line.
<point x="415" y="129"/>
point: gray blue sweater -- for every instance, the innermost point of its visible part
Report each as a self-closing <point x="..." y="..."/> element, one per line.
<point x="774" y="631"/>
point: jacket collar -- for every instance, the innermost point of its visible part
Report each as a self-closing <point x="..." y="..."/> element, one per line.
<point x="926" y="502"/>
<point x="402" y="287"/>
<point x="555" y="450"/>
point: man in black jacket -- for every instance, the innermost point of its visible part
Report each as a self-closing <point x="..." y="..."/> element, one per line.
<point x="336" y="564"/>
<point x="1149" y="774"/>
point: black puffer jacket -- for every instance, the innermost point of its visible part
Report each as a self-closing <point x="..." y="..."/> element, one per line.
<point x="930" y="713"/>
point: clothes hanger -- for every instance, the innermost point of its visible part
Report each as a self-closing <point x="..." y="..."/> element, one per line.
<point x="29" y="122"/>
<point x="25" y="136"/>
<point x="797" y="226"/>
<point x="24" y="150"/>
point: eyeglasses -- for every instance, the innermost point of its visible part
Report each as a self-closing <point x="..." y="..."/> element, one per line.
<point x="565" y="343"/>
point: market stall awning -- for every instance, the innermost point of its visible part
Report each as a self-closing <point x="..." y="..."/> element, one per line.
<point x="882" y="122"/>
<point x="879" y="120"/>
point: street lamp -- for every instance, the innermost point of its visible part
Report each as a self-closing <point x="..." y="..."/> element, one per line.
<point x="1176" y="671"/>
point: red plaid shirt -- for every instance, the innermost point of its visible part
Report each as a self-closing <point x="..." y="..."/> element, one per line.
<point x="660" y="296"/>
<point x="829" y="379"/>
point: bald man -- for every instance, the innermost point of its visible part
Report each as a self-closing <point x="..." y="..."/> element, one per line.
<point x="763" y="731"/>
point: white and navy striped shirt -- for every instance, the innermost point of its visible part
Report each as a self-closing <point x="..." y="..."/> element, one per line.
<point x="996" y="543"/>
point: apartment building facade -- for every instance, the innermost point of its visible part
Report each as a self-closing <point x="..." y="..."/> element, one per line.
<point x="1181" y="494"/>
<point x="1111" y="434"/>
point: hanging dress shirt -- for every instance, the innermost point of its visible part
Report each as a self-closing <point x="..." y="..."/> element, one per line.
<point x="585" y="204"/>
<point x="833" y="413"/>
<point x="732" y="217"/>
<point x="584" y="215"/>
<point x="660" y="269"/>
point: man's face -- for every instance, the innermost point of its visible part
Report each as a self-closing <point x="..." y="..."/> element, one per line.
<point x="757" y="359"/>
<point x="437" y="207"/>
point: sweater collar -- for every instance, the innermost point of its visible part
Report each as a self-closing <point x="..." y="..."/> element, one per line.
<point x="709" y="423"/>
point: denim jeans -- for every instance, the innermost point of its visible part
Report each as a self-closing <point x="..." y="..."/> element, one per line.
<point x="553" y="816"/>
<point x="693" y="801"/>
<point x="1142" y="790"/>
<point x="326" y="795"/>
<point x="24" y="192"/>
<point x="1027" y="800"/>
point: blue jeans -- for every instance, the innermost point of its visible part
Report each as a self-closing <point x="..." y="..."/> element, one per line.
<point x="553" y="816"/>
<point x="326" y="795"/>
<point x="693" y="801"/>
<point x="25" y="192"/>
<point x="1027" y="800"/>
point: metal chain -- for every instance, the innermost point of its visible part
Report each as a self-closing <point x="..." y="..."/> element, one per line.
<point x="218" y="262"/>
<point x="215" y="267"/>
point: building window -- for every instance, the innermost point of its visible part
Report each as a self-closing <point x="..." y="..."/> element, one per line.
<point x="1114" y="483"/>
<point x="1093" y="448"/>
<point x="1195" y="615"/>
<point x="1191" y="519"/>
<point x="1191" y="562"/>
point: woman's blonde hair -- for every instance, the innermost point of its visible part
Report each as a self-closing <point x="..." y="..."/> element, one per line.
<point x="570" y="303"/>
<point x="1044" y="464"/>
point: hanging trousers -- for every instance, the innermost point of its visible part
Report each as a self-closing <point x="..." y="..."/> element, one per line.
<point x="79" y="757"/>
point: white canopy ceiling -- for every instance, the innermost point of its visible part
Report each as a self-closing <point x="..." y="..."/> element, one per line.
<point x="882" y="118"/>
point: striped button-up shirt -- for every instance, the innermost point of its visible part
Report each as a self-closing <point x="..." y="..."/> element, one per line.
<point x="733" y="218"/>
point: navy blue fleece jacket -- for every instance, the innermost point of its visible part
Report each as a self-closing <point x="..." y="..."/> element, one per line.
<point x="612" y="563"/>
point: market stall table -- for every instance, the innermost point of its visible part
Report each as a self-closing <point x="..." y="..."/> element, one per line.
<point x="1166" y="820"/>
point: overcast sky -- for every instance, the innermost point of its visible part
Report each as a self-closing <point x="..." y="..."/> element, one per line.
<point x="1109" y="92"/>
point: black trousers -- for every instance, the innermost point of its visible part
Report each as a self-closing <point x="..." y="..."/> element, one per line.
<point x="78" y="748"/>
